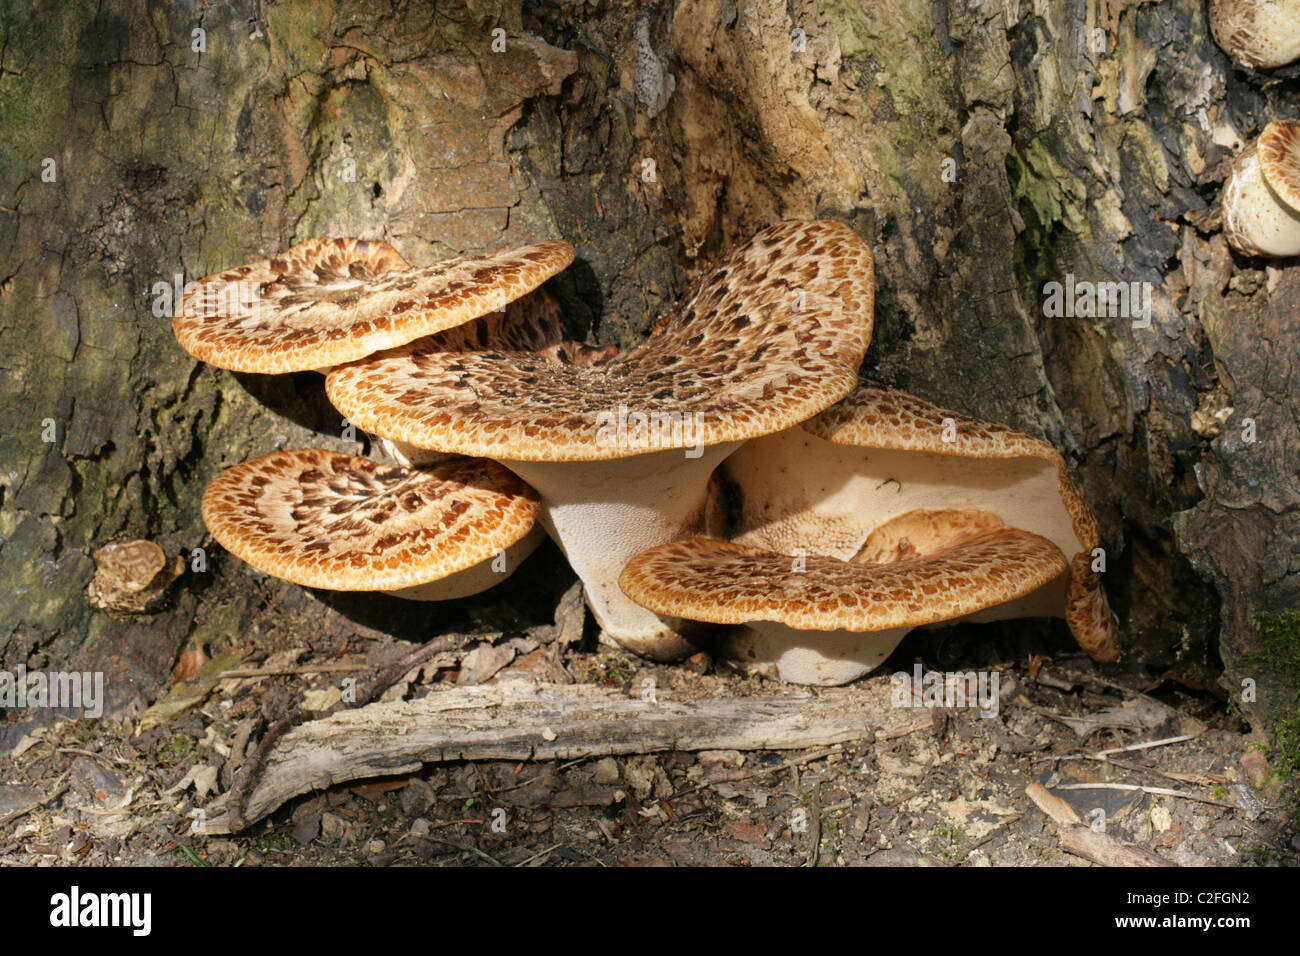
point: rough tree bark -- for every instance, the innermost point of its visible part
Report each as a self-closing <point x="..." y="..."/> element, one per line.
<point x="984" y="147"/>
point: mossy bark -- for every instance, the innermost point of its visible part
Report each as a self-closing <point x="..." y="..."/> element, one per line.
<point x="984" y="148"/>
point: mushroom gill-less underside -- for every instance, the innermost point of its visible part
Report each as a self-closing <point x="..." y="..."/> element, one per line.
<point x="1261" y="196"/>
<point x="1279" y="157"/>
<point x="328" y="520"/>
<point x="724" y="583"/>
<point x="328" y="301"/>
<point x="1262" y="34"/>
<point x="772" y="335"/>
<point x="878" y="416"/>
<point x="881" y="452"/>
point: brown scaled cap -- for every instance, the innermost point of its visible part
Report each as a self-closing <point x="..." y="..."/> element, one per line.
<point x="529" y="324"/>
<point x="1279" y="159"/>
<point x="324" y="519"/>
<point x="1261" y="196"/>
<point x="329" y="301"/>
<point x="772" y="335"/>
<point x="723" y="583"/>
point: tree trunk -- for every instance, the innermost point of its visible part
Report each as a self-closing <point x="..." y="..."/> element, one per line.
<point x="986" y="148"/>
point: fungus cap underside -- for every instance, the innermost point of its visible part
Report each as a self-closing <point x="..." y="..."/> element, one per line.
<point x="1279" y="160"/>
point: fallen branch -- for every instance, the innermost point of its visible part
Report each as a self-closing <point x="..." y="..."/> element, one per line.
<point x="762" y="771"/>
<point x="250" y="770"/>
<point x="1081" y="840"/>
<point x="38" y="800"/>
<point x="1201" y="779"/>
<point x="1157" y="791"/>
<point x="520" y="720"/>
<point x="1145" y="746"/>
<point x="997" y="828"/>
<point x="1105" y="849"/>
<point x="1106" y="756"/>
<point x="253" y="672"/>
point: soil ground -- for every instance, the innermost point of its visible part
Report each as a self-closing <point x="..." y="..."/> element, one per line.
<point x="102" y="792"/>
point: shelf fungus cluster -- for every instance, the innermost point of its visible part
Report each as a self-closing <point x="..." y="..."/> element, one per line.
<point x="730" y="470"/>
<point x="882" y="514"/>
<point x="430" y="530"/>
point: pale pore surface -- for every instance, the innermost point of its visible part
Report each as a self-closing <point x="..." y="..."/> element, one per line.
<point x="1255" y="219"/>
<point x="328" y="301"/>
<point x="774" y="334"/>
<point x="881" y="453"/>
<point x="1279" y="157"/>
<point x="329" y="520"/>
<point x="1259" y="33"/>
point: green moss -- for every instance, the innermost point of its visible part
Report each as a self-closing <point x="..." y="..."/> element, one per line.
<point x="868" y="37"/>
<point x="1279" y="634"/>
<point x="949" y="838"/>
<point x="276" y="843"/>
<point x="178" y="750"/>
<point x="1044" y="191"/>
<point x="612" y="669"/>
<point x="1279" y="638"/>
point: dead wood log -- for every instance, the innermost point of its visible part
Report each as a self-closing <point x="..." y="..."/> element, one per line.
<point x="520" y="720"/>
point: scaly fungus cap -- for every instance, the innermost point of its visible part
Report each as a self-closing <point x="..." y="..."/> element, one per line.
<point x="1279" y="160"/>
<point x="621" y="451"/>
<point x="323" y="519"/>
<point x="724" y="583"/>
<point x="773" y="335"/>
<point x="1261" y="198"/>
<point x="328" y="301"/>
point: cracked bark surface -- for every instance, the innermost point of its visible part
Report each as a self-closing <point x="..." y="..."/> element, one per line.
<point x="1073" y="151"/>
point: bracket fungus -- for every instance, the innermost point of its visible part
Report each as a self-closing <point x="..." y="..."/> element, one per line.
<point x="880" y="455"/>
<point x="820" y="620"/>
<point x="530" y="324"/>
<point x="1261" y="199"/>
<point x="132" y="576"/>
<point x="1261" y="34"/>
<point x="328" y="301"/>
<point x="621" y="451"/>
<point x="324" y="519"/>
